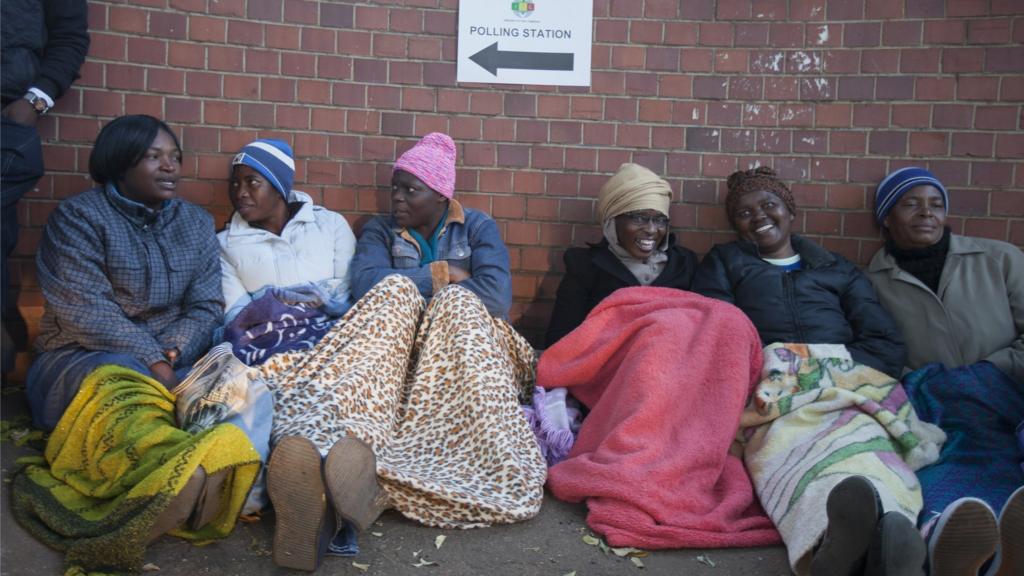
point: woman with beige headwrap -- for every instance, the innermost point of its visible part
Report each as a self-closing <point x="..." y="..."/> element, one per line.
<point x="637" y="249"/>
<point x="664" y="373"/>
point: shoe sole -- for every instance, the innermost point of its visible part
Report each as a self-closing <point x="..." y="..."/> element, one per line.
<point x="296" y="489"/>
<point x="898" y="550"/>
<point x="963" y="540"/>
<point x="853" y="510"/>
<point x="351" y="473"/>
<point x="181" y="506"/>
<point x="1011" y="536"/>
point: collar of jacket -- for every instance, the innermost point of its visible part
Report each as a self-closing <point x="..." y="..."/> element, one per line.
<point x="139" y="214"/>
<point x="958" y="245"/>
<point x="603" y="258"/>
<point x="455" y="214"/>
<point x="239" y="227"/>
<point x="811" y="254"/>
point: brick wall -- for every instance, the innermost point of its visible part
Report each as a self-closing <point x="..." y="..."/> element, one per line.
<point x="833" y="94"/>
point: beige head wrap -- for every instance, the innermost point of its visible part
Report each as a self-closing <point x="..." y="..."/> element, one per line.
<point x="633" y="188"/>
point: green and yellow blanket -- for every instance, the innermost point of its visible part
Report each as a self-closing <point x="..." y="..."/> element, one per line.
<point x="112" y="466"/>
<point x="817" y="417"/>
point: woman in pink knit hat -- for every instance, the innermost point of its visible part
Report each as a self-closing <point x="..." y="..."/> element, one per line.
<point x="412" y="400"/>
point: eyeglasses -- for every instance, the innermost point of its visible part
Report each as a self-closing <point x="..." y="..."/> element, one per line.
<point x="640" y="219"/>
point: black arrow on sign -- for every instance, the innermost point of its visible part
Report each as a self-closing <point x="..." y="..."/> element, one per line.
<point x="491" y="59"/>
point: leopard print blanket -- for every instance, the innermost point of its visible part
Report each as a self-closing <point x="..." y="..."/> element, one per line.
<point x="433" y="389"/>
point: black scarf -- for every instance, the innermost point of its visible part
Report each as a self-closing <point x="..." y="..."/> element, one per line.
<point x="924" y="263"/>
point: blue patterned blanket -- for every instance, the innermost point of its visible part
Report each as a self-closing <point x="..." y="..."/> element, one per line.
<point x="285" y="319"/>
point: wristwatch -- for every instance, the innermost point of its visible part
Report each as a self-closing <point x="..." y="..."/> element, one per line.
<point x="37" y="102"/>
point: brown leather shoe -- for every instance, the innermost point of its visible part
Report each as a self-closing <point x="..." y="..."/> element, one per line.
<point x="181" y="506"/>
<point x="304" y="527"/>
<point x="351" y="474"/>
<point x="209" y="500"/>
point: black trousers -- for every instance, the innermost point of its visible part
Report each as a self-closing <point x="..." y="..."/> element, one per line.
<point x="21" y="166"/>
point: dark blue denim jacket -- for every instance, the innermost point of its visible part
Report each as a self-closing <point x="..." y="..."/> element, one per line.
<point x="469" y="240"/>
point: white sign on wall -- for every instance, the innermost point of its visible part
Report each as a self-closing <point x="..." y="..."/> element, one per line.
<point x="517" y="42"/>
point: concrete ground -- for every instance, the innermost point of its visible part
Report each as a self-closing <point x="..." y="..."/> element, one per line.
<point x="551" y="544"/>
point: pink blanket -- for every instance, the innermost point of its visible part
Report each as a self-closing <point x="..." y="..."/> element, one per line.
<point x="666" y="374"/>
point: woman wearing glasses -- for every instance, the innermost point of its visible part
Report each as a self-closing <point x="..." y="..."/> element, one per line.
<point x="664" y="374"/>
<point x="637" y="249"/>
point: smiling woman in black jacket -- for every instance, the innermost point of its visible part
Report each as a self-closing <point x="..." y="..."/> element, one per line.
<point x="792" y="289"/>
<point x="637" y="250"/>
<point x="796" y="292"/>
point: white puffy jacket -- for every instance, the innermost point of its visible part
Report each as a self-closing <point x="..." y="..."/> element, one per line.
<point x="316" y="244"/>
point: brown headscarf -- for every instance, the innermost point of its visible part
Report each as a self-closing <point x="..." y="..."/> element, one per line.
<point x="633" y="188"/>
<point x="744" y="182"/>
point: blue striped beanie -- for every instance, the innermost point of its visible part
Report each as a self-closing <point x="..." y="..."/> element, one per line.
<point x="898" y="183"/>
<point x="272" y="159"/>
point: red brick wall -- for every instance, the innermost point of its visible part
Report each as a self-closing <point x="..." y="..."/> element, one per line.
<point x="833" y="94"/>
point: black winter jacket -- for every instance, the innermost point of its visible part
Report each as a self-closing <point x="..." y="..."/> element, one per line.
<point x="42" y="43"/>
<point x="827" y="301"/>
<point x="593" y="273"/>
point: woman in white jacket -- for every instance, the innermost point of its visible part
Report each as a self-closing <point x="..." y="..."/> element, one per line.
<point x="277" y="236"/>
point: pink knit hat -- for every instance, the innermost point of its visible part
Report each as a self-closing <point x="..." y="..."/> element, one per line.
<point x="432" y="160"/>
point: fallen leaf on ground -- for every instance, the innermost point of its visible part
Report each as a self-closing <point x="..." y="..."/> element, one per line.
<point x="604" y="547"/>
<point x="588" y="539"/>
<point x="636" y="562"/>
<point x="628" y="551"/>
<point x="249" y="518"/>
<point x="417" y="553"/>
<point x="150" y="568"/>
<point x="377" y="534"/>
<point x="533" y="549"/>
<point x="439" y="541"/>
<point x="424" y="562"/>
<point x="363" y="567"/>
<point x="706" y="560"/>
<point x="573" y="573"/>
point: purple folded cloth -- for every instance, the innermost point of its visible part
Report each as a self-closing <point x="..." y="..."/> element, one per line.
<point x="555" y="420"/>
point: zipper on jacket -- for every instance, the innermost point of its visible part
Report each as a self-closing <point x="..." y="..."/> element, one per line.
<point x="788" y="286"/>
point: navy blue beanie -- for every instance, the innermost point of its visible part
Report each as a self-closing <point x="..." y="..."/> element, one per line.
<point x="273" y="159"/>
<point x="898" y="183"/>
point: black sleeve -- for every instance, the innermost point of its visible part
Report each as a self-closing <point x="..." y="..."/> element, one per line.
<point x="711" y="279"/>
<point x="689" y="266"/>
<point x="67" y="42"/>
<point x="572" y="302"/>
<point x="877" y="341"/>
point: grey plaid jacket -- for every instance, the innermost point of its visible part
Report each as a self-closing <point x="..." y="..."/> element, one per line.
<point x="120" y="277"/>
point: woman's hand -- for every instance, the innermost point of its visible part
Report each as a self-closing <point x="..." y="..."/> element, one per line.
<point x="456" y="274"/>
<point x="164" y="374"/>
<point x="172" y="355"/>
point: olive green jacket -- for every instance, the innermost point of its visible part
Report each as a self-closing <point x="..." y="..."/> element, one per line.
<point x="978" y="313"/>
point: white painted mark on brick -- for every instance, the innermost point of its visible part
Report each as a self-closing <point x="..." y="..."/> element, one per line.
<point x="809" y="140"/>
<point x="806" y="61"/>
<point x="696" y="114"/>
<point x="822" y="34"/>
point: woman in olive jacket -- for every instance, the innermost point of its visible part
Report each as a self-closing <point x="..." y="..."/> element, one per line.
<point x="959" y="302"/>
